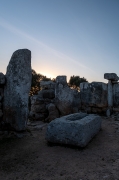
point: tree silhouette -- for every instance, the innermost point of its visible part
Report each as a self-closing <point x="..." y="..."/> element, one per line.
<point x="35" y="83"/>
<point x="74" y="81"/>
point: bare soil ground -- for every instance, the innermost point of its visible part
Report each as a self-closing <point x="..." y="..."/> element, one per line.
<point x="31" y="158"/>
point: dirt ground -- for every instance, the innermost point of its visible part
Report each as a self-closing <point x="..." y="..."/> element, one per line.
<point x="31" y="158"/>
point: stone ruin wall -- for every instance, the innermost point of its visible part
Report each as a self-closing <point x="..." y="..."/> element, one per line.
<point x="56" y="99"/>
<point x="95" y="97"/>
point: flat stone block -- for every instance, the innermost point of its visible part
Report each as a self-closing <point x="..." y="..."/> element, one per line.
<point x="111" y="76"/>
<point x="47" y="84"/>
<point x="74" y="129"/>
<point x="93" y="94"/>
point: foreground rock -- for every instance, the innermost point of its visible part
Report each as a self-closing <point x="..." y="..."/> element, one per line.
<point x="75" y="129"/>
<point x="17" y="89"/>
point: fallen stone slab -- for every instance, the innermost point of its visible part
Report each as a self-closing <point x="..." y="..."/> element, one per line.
<point x="111" y="76"/>
<point x="74" y="129"/>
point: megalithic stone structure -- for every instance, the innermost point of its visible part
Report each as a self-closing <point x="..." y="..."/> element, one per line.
<point x="110" y="94"/>
<point x="112" y="79"/>
<point x="16" y="92"/>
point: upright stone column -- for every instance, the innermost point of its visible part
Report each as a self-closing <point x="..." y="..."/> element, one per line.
<point x="112" y="78"/>
<point x="67" y="100"/>
<point x="16" y="92"/>
<point x="110" y="94"/>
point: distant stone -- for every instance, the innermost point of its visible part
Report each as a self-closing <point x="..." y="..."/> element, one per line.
<point x="108" y="113"/>
<point x="116" y="95"/>
<point x="36" y="99"/>
<point x="53" y="112"/>
<point x="111" y="76"/>
<point x="75" y="129"/>
<point x="2" y="78"/>
<point x="48" y="93"/>
<point x="61" y="80"/>
<point x="47" y="84"/>
<point x="67" y="100"/>
<point x="38" y="108"/>
<point x="93" y="94"/>
<point x="16" y="92"/>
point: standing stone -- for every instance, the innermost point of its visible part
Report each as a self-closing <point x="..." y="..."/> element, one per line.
<point x="67" y="100"/>
<point x="116" y="95"/>
<point x="16" y="90"/>
<point x="110" y="94"/>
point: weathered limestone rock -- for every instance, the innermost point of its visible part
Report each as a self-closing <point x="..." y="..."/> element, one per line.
<point x="75" y="129"/>
<point x="108" y="112"/>
<point x="61" y="80"/>
<point x="110" y="94"/>
<point x="38" y="108"/>
<point x="67" y="100"/>
<point x="37" y="116"/>
<point x="2" y="78"/>
<point x="53" y="112"/>
<point x="17" y="89"/>
<point x="1" y="93"/>
<point x="93" y="94"/>
<point x="47" y="84"/>
<point x="48" y="93"/>
<point x="111" y="76"/>
<point x="36" y="100"/>
<point x="116" y="95"/>
<point x="39" y="103"/>
<point x="1" y="113"/>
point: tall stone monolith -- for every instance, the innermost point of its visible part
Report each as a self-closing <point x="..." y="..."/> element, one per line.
<point x="16" y="92"/>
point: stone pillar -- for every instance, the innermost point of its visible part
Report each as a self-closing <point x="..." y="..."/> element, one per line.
<point x="110" y="94"/>
<point x="16" y="92"/>
<point x="61" y="80"/>
<point x="112" y="79"/>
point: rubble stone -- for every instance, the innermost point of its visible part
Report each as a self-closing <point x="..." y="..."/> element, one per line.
<point x="53" y="112"/>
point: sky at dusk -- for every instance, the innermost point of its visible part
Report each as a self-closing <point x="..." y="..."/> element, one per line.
<point x="66" y="37"/>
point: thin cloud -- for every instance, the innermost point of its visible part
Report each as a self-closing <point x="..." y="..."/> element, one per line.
<point x="13" y="29"/>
